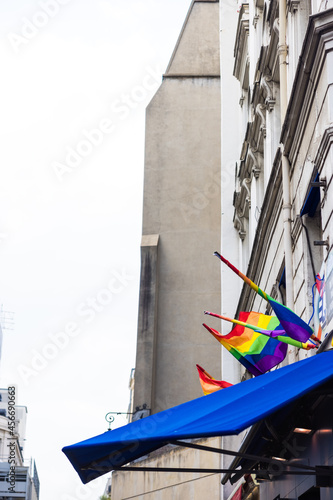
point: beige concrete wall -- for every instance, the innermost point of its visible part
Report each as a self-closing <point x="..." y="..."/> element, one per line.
<point x="195" y="52"/>
<point x="144" y="377"/>
<point x="171" y="486"/>
<point x="182" y="205"/>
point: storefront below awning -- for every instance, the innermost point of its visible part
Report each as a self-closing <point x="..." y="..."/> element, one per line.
<point x="287" y="436"/>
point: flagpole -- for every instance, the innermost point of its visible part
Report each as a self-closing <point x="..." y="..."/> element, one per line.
<point x="247" y="280"/>
<point x="280" y="338"/>
<point x="254" y="287"/>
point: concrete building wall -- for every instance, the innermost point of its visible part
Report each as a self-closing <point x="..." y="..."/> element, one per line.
<point x="12" y="464"/>
<point x="171" y="486"/>
<point x="182" y="209"/>
<point x="180" y="278"/>
<point x="195" y="52"/>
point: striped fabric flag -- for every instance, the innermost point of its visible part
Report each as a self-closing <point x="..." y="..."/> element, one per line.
<point x="293" y="325"/>
<point x="320" y="286"/>
<point x="276" y="334"/>
<point x="258" y="353"/>
<point x="208" y="383"/>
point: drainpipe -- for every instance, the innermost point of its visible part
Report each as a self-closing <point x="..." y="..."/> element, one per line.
<point x="282" y="51"/>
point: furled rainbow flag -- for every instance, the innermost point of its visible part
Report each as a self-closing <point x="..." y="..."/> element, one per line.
<point x="258" y="353"/>
<point x="208" y="383"/>
<point x="320" y="286"/>
<point x="293" y="325"/>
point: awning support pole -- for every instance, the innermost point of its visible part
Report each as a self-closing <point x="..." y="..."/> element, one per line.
<point x="254" y="458"/>
<point x="283" y="472"/>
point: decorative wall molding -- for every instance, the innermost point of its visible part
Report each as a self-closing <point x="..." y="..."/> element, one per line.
<point x="260" y="108"/>
<point x="293" y="5"/>
<point x="247" y="185"/>
<point x="266" y="84"/>
<point x="317" y="44"/>
<point x="296" y="231"/>
<point x="241" y="45"/>
<point x="257" y="161"/>
<point x="239" y="224"/>
<point x="323" y="149"/>
<point x="270" y="212"/>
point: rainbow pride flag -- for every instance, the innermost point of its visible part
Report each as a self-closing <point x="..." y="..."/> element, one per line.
<point x="208" y="383"/>
<point x="293" y="325"/>
<point x="277" y="334"/>
<point x="258" y="353"/>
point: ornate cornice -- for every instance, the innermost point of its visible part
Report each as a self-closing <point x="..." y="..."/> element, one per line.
<point x="257" y="161"/>
<point x="260" y="108"/>
<point x="239" y="224"/>
<point x="246" y="184"/>
<point x="317" y="43"/>
<point x="323" y="149"/>
<point x="268" y="217"/>
<point x="266" y="85"/>
<point x="293" y="5"/>
<point x="259" y="4"/>
<point x="296" y="231"/>
<point x="241" y="44"/>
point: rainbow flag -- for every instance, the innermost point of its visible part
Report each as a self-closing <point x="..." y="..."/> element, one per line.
<point x="258" y="353"/>
<point x="208" y="383"/>
<point x="320" y="285"/>
<point x="293" y="325"/>
<point x="277" y="334"/>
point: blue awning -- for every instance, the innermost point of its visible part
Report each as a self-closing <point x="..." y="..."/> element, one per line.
<point x="312" y="200"/>
<point x="282" y="281"/>
<point x="226" y="412"/>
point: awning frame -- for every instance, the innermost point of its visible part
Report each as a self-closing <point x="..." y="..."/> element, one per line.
<point x="320" y="394"/>
<point x="303" y="468"/>
<point x="218" y="414"/>
<point x="319" y="470"/>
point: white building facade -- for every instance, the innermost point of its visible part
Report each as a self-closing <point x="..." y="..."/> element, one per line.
<point x="277" y="128"/>
<point x="17" y="479"/>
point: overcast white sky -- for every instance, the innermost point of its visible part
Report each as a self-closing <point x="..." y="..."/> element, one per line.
<point x="76" y="78"/>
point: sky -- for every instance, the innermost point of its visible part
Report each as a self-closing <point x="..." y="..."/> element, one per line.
<point x="76" y="79"/>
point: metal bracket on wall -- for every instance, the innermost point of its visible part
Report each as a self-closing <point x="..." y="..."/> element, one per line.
<point x="322" y="243"/>
<point x="110" y="418"/>
<point x="321" y="183"/>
